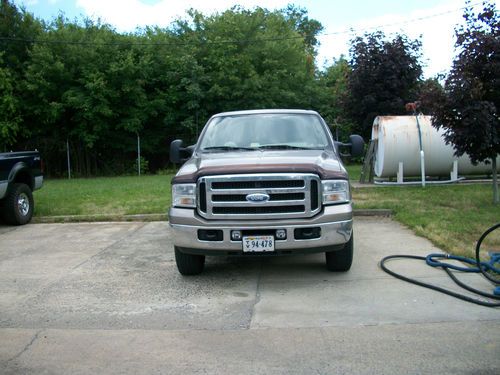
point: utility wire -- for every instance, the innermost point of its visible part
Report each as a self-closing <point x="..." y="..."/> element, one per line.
<point x="241" y="41"/>
<point x="405" y="22"/>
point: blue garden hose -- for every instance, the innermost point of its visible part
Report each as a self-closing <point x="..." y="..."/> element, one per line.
<point x="488" y="269"/>
<point x="488" y="266"/>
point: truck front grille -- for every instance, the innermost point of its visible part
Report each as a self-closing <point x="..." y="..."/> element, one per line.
<point x="272" y="197"/>
<point x="292" y="195"/>
<point x="257" y="184"/>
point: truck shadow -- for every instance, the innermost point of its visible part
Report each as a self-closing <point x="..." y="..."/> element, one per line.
<point x="5" y="228"/>
<point x="292" y="264"/>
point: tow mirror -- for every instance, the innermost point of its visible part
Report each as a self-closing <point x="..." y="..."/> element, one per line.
<point x="356" y="145"/>
<point x="179" y="154"/>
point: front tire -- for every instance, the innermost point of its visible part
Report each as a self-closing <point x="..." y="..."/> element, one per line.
<point x="17" y="206"/>
<point x="189" y="264"/>
<point x="340" y="260"/>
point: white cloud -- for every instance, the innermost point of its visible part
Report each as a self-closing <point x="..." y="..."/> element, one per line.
<point x="437" y="32"/>
<point x="126" y="15"/>
<point x="437" y="35"/>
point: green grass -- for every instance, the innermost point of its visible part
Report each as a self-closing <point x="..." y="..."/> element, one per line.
<point x="451" y="216"/>
<point x="110" y="196"/>
<point x="354" y="171"/>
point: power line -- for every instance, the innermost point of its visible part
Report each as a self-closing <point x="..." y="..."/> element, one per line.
<point x="233" y="41"/>
<point x="176" y="43"/>
<point x="406" y="22"/>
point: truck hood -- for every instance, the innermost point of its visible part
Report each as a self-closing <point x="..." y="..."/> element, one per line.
<point x="323" y="163"/>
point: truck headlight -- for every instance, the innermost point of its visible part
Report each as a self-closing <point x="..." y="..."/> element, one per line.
<point x="335" y="191"/>
<point x="184" y="195"/>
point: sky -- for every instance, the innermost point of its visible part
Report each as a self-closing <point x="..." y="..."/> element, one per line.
<point x="433" y="20"/>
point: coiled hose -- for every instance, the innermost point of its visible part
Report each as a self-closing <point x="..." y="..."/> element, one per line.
<point x="488" y="269"/>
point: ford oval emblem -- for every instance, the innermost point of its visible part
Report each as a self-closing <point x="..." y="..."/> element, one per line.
<point x="257" y="198"/>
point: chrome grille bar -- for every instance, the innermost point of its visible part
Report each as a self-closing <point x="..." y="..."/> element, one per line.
<point x="283" y="190"/>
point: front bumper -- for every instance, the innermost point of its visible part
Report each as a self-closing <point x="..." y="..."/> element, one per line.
<point x="335" y="223"/>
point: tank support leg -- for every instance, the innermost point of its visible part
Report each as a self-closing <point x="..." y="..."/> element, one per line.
<point x="400" y="173"/>
<point x="422" y="167"/>
<point x="454" y="172"/>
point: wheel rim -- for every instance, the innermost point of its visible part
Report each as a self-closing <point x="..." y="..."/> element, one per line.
<point x="23" y="204"/>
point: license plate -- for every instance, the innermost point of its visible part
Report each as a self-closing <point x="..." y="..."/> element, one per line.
<point x="258" y="244"/>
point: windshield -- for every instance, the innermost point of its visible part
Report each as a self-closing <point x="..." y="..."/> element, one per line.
<point x="264" y="131"/>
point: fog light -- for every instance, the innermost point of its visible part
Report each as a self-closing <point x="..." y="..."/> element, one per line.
<point x="280" y="234"/>
<point x="236" y="235"/>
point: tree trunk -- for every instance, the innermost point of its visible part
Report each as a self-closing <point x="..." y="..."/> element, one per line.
<point x="495" y="180"/>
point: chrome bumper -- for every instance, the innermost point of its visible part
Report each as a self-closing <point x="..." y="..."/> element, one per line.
<point x="335" y="223"/>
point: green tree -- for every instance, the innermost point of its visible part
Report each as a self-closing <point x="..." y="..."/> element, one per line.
<point x="468" y="106"/>
<point x="85" y="84"/>
<point x="17" y="28"/>
<point x="307" y="28"/>
<point x="333" y="92"/>
<point x="9" y="118"/>
<point x="385" y="75"/>
<point x="249" y="59"/>
<point x="73" y="81"/>
<point x="429" y="89"/>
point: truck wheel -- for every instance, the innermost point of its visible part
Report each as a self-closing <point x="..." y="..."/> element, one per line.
<point x="17" y="206"/>
<point x="189" y="264"/>
<point x="340" y="260"/>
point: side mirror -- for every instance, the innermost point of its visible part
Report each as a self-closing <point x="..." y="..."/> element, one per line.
<point x="179" y="154"/>
<point x="356" y="145"/>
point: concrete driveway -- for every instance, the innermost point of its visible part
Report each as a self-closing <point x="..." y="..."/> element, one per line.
<point x="106" y="298"/>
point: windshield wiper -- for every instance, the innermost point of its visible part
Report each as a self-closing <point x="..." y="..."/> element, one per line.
<point x="286" y="147"/>
<point x="228" y="148"/>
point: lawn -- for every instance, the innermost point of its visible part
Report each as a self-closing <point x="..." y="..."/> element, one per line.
<point x="451" y="216"/>
<point x="109" y="196"/>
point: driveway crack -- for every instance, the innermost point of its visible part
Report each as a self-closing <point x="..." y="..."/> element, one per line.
<point x="257" y="296"/>
<point x="27" y="347"/>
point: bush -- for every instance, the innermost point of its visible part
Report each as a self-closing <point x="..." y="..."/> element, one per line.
<point x="144" y="166"/>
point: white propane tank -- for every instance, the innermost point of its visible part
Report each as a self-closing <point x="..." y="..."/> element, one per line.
<point x="398" y="141"/>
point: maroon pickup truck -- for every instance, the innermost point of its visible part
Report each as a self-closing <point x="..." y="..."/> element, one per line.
<point x="260" y="183"/>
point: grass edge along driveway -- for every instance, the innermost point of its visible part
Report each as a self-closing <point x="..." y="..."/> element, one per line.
<point x="451" y="216"/>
